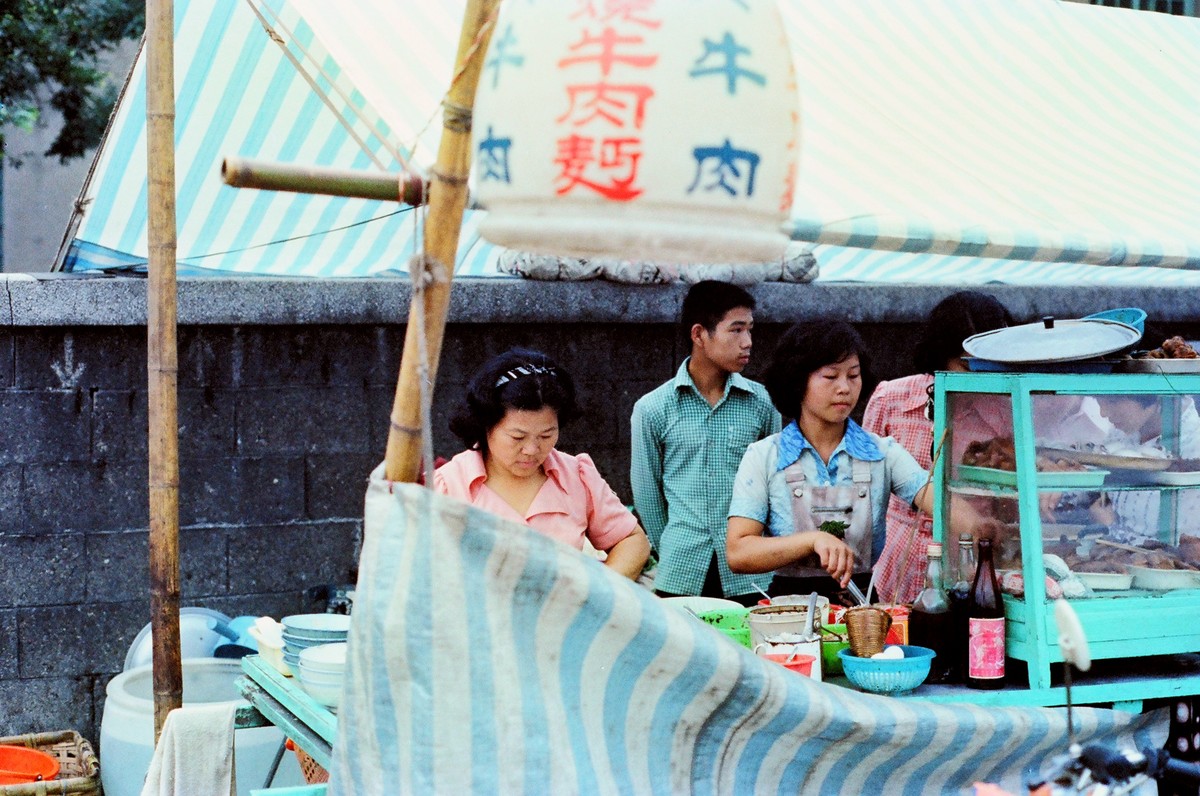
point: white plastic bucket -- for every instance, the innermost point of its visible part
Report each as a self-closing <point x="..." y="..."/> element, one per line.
<point x="127" y="728"/>
<point x="769" y="621"/>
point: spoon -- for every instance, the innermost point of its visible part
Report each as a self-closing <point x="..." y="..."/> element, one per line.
<point x="758" y="589"/>
<point x="856" y="592"/>
<point x="792" y="657"/>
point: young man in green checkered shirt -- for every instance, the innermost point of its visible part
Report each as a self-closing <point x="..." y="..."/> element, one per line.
<point x="688" y="437"/>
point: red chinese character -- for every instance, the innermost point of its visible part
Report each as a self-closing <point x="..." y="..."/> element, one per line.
<point x="625" y="10"/>
<point x="607" y="56"/>
<point x="618" y="161"/>
<point x="620" y="105"/>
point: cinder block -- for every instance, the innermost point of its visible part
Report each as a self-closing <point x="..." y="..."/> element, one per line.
<point x="85" y="496"/>
<point x="80" y="358"/>
<point x="291" y="557"/>
<point x="241" y="491"/>
<point x="302" y="420"/>
<point x="313" y="356"/>
<point x="120" y="423"/>
<point x="273" y="604"/>
<point x="207" y="356"/>
<point x="335" y="484"/>
<point x="42" y="570"/>
<point x="46" y="704"/>
<point x="7" y="347"/>
<point x="45" y="426"/>
<point x="12" y="519"/>
<point x="119" y="564"/>
<point x="76" y="640"/>
<point x="8" y="648"/>
<point x="386" y="347"/>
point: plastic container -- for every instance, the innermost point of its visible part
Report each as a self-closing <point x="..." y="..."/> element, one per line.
<point x="831" y="664"/>
<point x="891" y="676"/>
<point x="201" y="631"/>
<point x="801" y="664"/>
<point x="768" y="622"/>
<point x="731" y="622"/>
<point x="1130" y="316"/>
<point x="20" y="766"/>
<point x="127" y="728"/>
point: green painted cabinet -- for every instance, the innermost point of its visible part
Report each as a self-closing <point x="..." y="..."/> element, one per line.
<point x="1098" y="474"/>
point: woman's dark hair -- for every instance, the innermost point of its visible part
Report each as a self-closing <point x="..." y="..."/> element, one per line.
<point x="804" y="349"/>
<point x="519" y="378"/>
<point x="954" y="319"/>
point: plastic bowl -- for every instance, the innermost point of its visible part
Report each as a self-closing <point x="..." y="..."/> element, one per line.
<point x="20" y="765"/>
<point x="731" y="622"/>
<point x="894" y="676"/>
<point x="1130" y="316"/>
<point x="831" y="664"/>
<point x="318" y="678"/>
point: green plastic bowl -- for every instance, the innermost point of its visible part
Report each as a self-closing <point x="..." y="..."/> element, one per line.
<point x="831" y="664"/>
<point x="731" y="622"/>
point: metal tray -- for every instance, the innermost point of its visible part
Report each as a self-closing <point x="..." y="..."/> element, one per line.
<point x="1164" y="579"/>
<point x="1109" y="460"/>
<point x="1063" y="479"/>
<point x="1158" y="366"/>
<point x="1107" y="581"/>
<point x="1173" y="478"/>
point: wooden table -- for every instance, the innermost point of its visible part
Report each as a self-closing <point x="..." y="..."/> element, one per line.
<point x="279" y="701"/>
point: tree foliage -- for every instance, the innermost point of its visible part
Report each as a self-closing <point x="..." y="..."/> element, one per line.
<point x="52" y="53"/>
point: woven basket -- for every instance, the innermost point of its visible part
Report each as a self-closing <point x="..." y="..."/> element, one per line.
<point x="314" y="773"/>
<point x="867" y="627"/>
<point x="79" y="769"/>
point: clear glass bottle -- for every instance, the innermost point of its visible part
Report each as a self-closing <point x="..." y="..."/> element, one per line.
<point x="930" y="624"/>
<point x="985" y="625"/>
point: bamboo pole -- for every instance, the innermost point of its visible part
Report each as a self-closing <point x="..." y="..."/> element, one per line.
<point x="162" y="360"/>
<point x="406" y="188"/>
<point x="447" y="199"/>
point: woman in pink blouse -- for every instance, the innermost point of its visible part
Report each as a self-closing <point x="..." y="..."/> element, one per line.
<point x="901" y="409"/>
<point x="509" y="422"/>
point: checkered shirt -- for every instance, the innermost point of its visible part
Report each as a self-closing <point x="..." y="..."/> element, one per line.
<point x="897" y="410"/>
<point x="685" y="454"/>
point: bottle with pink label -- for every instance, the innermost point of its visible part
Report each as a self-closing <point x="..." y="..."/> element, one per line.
<point x="985" y="625"/>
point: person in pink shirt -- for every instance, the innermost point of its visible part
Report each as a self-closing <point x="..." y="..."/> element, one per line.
<point x="509" y="421"/>
<point x="901" y="409"/>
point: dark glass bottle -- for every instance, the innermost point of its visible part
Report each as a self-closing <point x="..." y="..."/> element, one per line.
<point x="931" y="624"/>
<point x="985" y="625"/>
<point x="960" y="592"/>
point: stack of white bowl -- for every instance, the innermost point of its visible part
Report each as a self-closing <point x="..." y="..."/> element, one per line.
<point x="302" y="631"/>
<point x="321" y="672"/>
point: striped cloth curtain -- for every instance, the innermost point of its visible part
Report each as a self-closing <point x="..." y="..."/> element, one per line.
<point x="485" y="658"/>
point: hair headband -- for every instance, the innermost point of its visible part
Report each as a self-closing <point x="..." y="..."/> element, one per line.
<point x="525" y="370"/>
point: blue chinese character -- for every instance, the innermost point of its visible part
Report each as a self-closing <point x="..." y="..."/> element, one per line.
<point x="493" y="157"/>
<point x="721" y="165"/>
<point x="729" y="50"/>
<point x="500" y="55"/>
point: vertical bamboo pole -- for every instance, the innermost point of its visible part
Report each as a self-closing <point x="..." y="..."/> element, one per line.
<point x="447" y="199"/>
<point x="162" y="359"/>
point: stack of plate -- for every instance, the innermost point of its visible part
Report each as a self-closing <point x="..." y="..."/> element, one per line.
<point x="302" y="631"/>
<point x="321" y="672"/>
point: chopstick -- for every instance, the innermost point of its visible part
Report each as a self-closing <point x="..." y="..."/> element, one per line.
<point x="1120" y="546"/>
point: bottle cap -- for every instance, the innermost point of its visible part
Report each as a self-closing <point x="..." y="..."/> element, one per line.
<point x="965" y="539"/>
<point x="934" y="550"/>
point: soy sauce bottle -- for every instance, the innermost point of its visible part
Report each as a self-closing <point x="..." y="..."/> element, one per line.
<point x="930" y="624"/>
<point x="960" y="595"/>
<point x="985" y="625"/>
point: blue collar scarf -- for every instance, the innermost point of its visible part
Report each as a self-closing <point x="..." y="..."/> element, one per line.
<point x="856" y="442"/>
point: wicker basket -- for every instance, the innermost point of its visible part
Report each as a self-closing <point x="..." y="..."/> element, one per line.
<point x="867" y="627"/>
<point x="79" y="769"/>
<point x="314" y="773"/>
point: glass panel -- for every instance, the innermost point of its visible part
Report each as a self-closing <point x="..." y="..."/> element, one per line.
<point x="979" y="433"/>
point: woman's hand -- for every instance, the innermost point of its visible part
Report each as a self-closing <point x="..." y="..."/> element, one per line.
<point x="629" y="555"/>
<point x="748" y="551"/>
<point x="836" y="556"/>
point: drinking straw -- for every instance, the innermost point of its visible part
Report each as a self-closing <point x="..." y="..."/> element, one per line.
<point x="758" y="589"/>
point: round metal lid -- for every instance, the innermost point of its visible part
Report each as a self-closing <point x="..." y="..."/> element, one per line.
<point x="1051" y="340"/>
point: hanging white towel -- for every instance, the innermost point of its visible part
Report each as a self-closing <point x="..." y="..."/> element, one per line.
<point x="194" y="753"/>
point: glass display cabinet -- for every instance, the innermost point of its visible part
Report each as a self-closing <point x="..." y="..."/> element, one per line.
<point x="1090" y="484"/>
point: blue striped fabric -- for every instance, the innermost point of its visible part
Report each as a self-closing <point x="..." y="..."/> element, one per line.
<point x="1013" y="144"/>
<point x="486" y="658"/>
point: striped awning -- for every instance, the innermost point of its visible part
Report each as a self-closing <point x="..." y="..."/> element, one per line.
<point x="942" y="141"/>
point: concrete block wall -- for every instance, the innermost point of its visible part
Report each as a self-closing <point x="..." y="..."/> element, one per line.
<point x="284" y="393"/>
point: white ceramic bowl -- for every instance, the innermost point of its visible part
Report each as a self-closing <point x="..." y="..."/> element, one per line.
<point x="320" y="678"/>
<point x="325" y="655"/>
<point x="325" y="694"/>
<point x="317" y="626"/>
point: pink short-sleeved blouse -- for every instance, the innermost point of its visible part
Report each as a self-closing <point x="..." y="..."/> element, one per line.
<point x="574" y="503"/>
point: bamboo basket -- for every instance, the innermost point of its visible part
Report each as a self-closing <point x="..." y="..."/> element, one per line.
<point x="867" y="627"/>
<point x="79" y="768"/>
